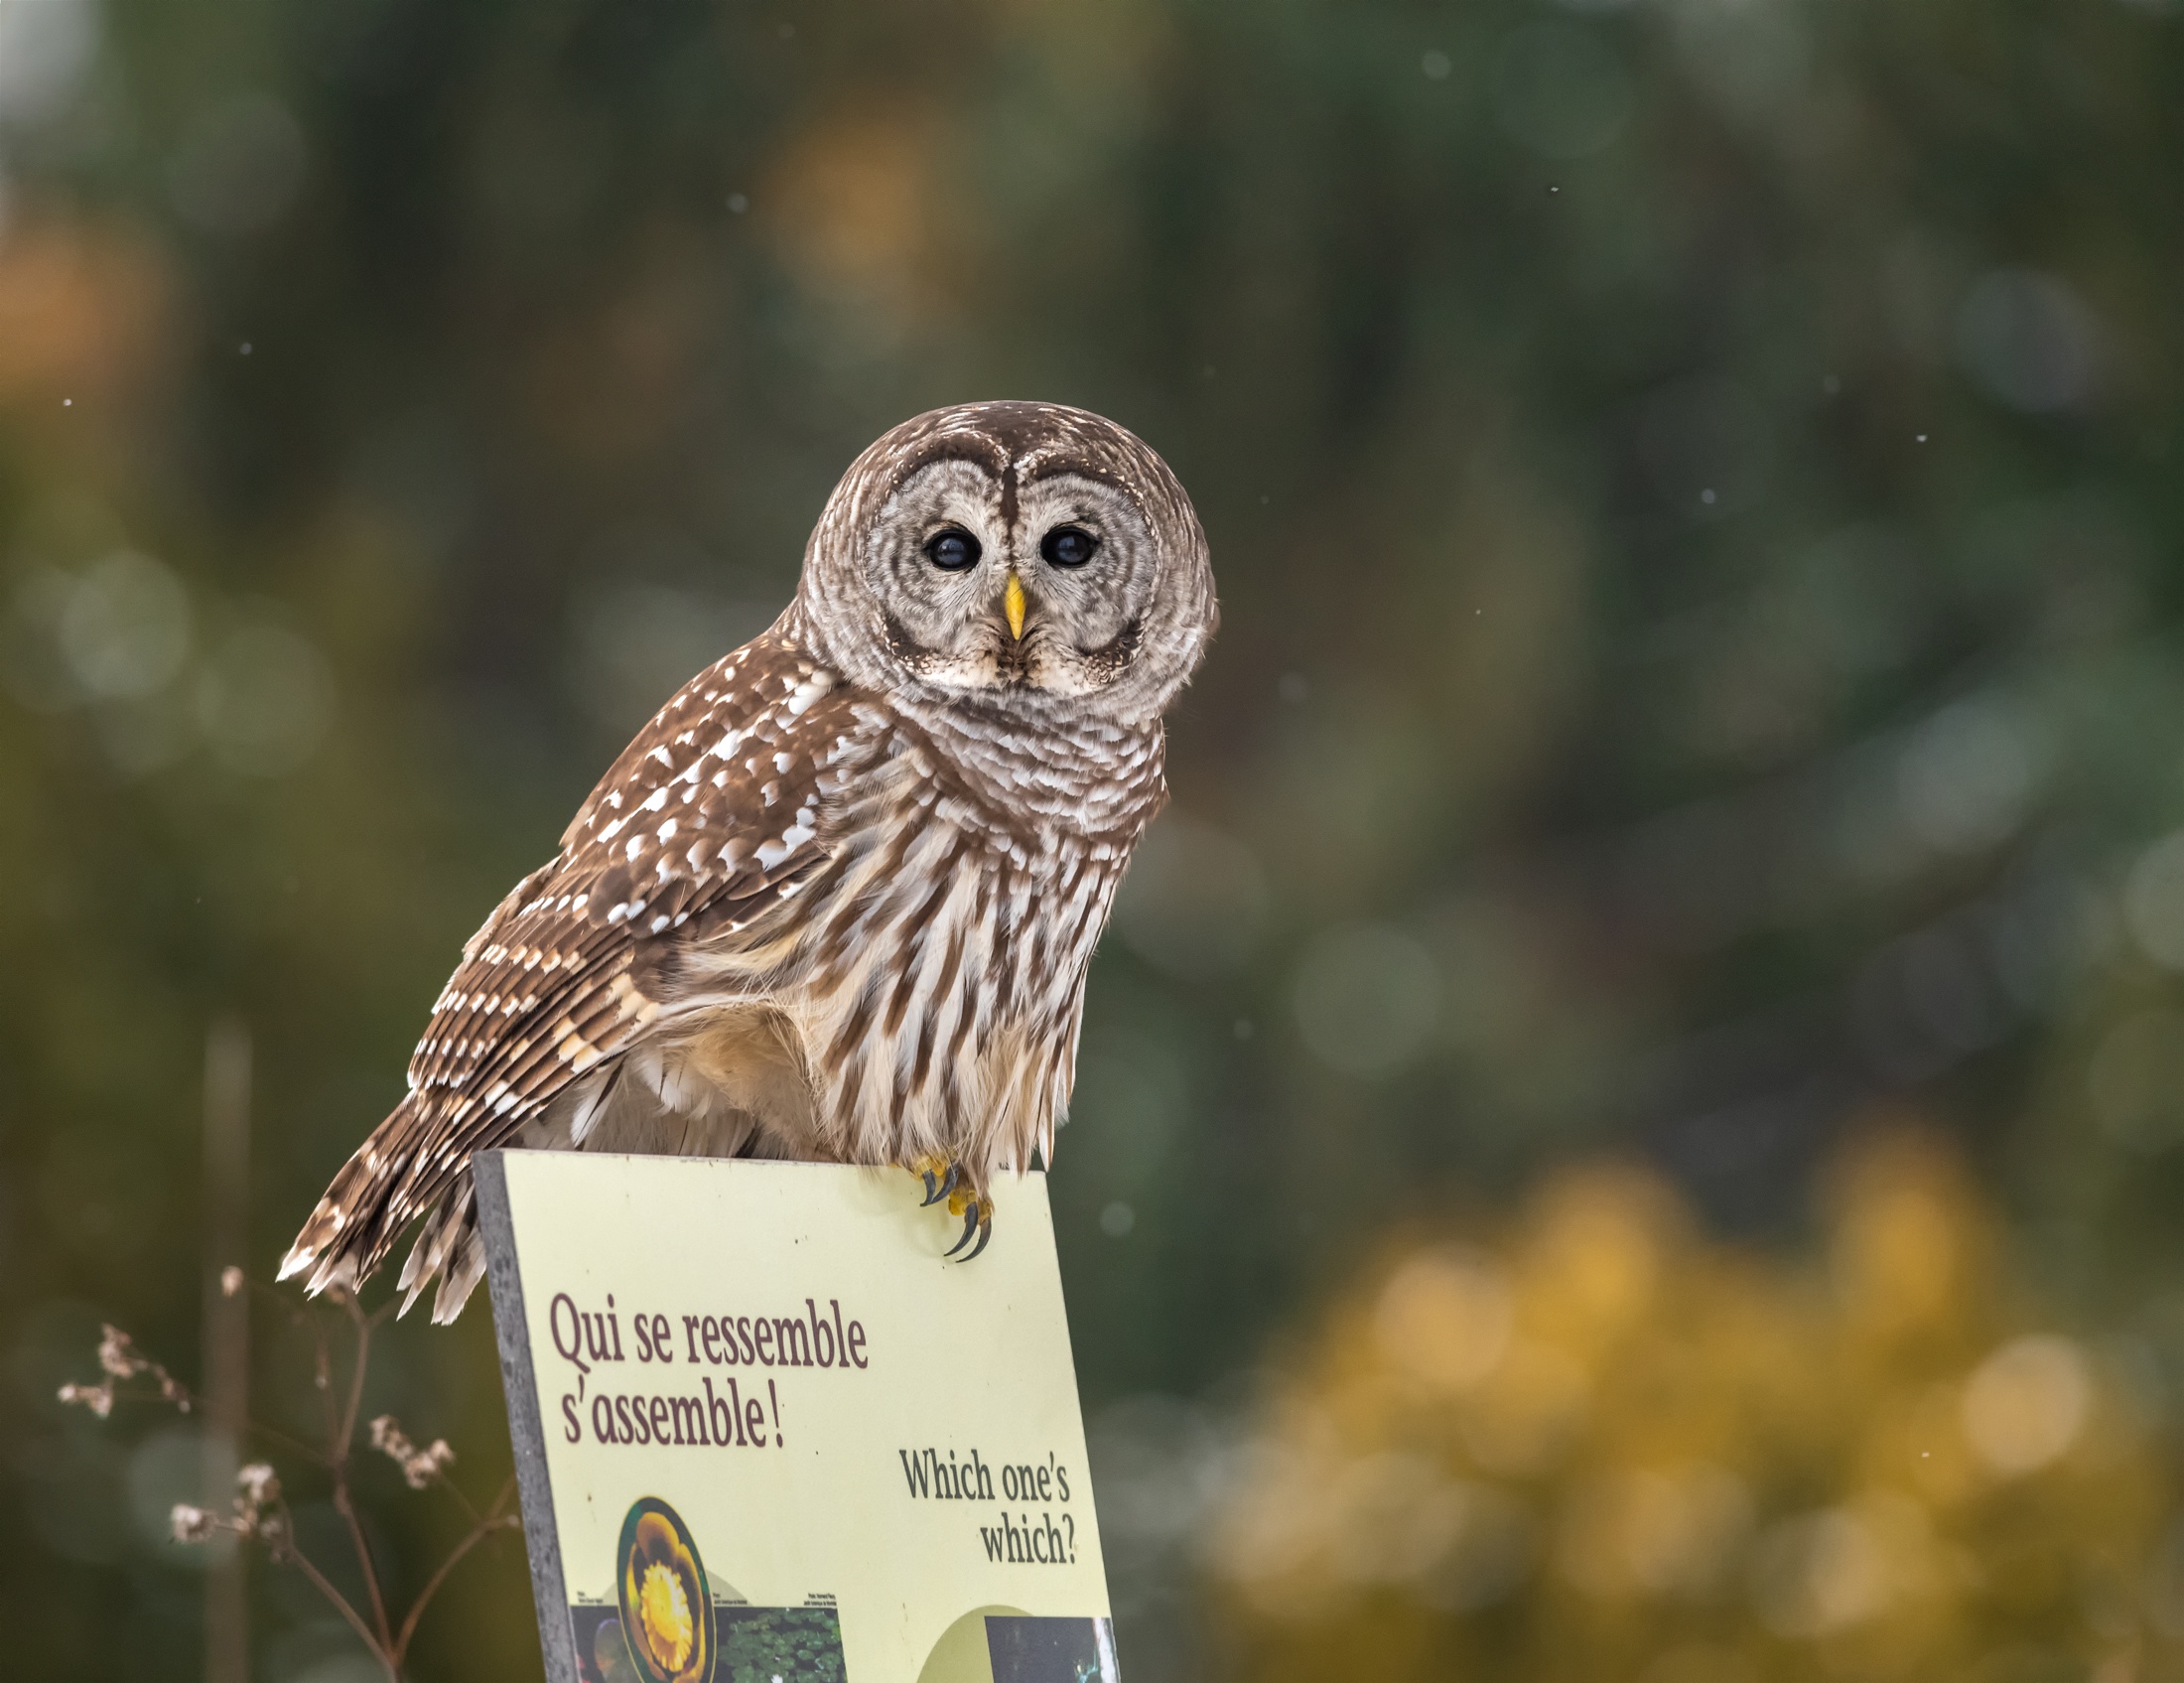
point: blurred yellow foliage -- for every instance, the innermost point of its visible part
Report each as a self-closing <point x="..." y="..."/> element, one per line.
<point x="1598" y="1445"/>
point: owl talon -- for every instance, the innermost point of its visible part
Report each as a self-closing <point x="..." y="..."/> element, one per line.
<point x="938" y="1174"/>
<point x="948" y="1182"/>
<point x="978" y="1220"/>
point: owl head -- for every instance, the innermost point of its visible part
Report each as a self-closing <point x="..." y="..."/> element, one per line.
<point x="1024" y="556"/>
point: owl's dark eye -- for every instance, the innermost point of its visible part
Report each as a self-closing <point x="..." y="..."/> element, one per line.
<point x="1067" y="546"/>
<point x="952" y="549"/>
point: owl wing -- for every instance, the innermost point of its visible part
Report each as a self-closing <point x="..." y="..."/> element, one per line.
<point x="709" y="819"/>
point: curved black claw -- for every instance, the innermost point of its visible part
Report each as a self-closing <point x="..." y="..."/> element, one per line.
<point x="977" y="1220"/>
<point x="940" y="1188"/>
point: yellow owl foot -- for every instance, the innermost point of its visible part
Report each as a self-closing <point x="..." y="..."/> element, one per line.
<point x="939" y="1175"/>
<point x="976" y="1210"/>
<point x="944" y="1178"/>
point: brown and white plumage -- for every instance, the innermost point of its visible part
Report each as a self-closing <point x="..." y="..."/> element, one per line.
<point x="838" y="899"/>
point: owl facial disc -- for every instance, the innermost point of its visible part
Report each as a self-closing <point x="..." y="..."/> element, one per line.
<point x="1020" y="555"/>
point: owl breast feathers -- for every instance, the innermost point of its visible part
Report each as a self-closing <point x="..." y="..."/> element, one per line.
<point x="838" y="899"/>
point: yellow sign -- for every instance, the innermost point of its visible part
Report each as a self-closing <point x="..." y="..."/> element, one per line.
<point x="766" y="1433"/>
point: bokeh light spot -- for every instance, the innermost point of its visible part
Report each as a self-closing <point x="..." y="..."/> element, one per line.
<point x="2027" y="1402"/>
<point x="1367" y="997"/>
<point x="1445" y="1315"/>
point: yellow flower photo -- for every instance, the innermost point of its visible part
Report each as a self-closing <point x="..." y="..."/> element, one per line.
<point x="666" y="1611"/>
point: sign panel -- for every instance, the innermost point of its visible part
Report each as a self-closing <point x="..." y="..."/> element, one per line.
<point x="766" y="1433"/>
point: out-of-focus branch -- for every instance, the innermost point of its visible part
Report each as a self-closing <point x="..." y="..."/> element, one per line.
<point x="258" y="1510"/>
<point x="494" y="1518"/>
<point x="337" y="1453"/>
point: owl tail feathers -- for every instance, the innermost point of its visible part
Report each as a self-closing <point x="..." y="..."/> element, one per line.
<point x="364" y="1212"/>
<point x="338" y="1242"/>
<point x="448" y="1246"/>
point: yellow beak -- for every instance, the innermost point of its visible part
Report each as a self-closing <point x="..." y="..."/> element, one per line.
<point x="1011" y="603"/>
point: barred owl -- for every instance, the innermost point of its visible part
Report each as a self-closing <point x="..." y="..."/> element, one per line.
<point x="837" y="900"/>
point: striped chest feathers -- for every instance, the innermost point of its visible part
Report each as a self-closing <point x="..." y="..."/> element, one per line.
<point x="929" y="977"/>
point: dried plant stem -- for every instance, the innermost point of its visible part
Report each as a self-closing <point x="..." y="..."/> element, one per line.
<point x="494" y="1518"/>
<point x="261" y="1511"/>
<point x="342" y="1433"/>
<point x="296" y="1557"/>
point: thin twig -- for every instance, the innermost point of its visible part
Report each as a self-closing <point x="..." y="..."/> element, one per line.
<point x="341" y="1606"/>
<point x="468" y="1508"/>
<point x="342" y="1447"/>
<point x="310" y="1452"/>
<point x="364" y="1325"/>
<point x="121" y="1396"/>
<point x="347" y="1510"/>
<point x="341" y="1426"/>
<point x="491" y="1521"/>
<point x="323" y="1376"/>
<point x="273" y="1294"/>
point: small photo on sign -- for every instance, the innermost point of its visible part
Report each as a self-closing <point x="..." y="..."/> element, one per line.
<point x="665" y="1605"/>
<point x="664" y="1627"/>
<point x="798" y="1644"/>
<point x="603" y="1652"/>
<point x="1051" y="1650"/>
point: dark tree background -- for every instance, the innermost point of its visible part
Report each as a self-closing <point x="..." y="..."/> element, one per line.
<point x="1694" y="486"/>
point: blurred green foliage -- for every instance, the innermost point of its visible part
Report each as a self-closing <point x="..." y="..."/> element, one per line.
<point x="1694" y="488"/>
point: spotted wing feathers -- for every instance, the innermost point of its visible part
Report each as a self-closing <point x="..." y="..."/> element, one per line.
<point x="704" y="825"/>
